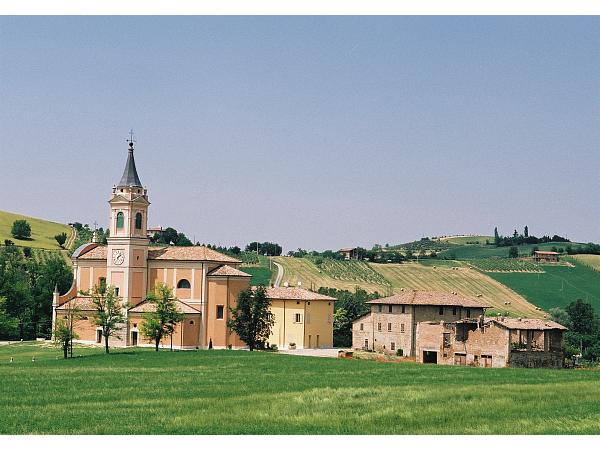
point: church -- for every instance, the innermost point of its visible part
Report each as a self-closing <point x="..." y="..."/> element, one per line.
<point x="205" y="282"/>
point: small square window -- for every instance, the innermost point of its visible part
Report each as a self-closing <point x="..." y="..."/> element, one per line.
<point x="361" y="327"/>
<point x="403" y="309"/>
<point x="379" y="327"/>
<point x="220" y="311"/>
<point x="298" y="318"/>
<point x="441" y="310"/>
<point x="389" y="327"/>
<point x="392" y="346"/>
<point x="468" y="312"/>
<point x="401" y="328"/>
<point x="454" y="311"/>
<point x="379" y="308"/>
<point x="390" y="308"/>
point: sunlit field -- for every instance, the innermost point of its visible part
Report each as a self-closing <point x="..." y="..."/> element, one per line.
<point x="239" y="392"/>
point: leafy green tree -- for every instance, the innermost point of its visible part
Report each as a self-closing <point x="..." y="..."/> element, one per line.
<point x="64" y="328"/>
<point x="162" y="321"/>
<point x="559" y="315"/>
<point x="513" y="252"/>
<point x="61" y="238"/>
<point x="496" y="236"/>
<point x="252" y="319"/>
<point x="108" y="313"/>
<point x="526" y="231"/>
<point x="21" y="229"/>
<point x="8" y="324"/>
<point x="583" y="318"/>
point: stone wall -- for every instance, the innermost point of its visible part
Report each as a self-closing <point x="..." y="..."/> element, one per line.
<point x="550" y="359"/>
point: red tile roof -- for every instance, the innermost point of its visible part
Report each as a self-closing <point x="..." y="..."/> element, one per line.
<point x="527" y="324"/>
<point x="83" y="303"/>
<point x="227" y="271"/>
<point x="295" y="293"/>
<point x="195" y="253"/>
<point x="429" y="298"/>
<point x="147" y="306"/>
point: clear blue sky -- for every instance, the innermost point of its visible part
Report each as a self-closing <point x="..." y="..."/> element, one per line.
<point x="314" y="132"/>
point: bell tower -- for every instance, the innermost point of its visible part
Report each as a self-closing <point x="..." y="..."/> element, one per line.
<point x="127" y="252"/>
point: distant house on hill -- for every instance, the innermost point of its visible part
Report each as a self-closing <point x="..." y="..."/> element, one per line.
<point x="150" y="232"/>
<point x="540" y="256"/>
<point x="348" y="253"/>
<point x="497" y="342"/>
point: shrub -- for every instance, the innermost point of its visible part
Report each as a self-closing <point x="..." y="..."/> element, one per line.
<point x="399" y="352"/>
<point x="61" y="238"/>
<point x="27" y="252"/>
<point x="21" y="229"/>
<point x="8" y="242"/>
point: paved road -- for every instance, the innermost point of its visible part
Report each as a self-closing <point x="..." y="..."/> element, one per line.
<point x="279" y="274"/>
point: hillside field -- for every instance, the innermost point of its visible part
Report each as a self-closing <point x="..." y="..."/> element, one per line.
<point x="431" y="275"/>
<point x="558" y="286"/>
<point x="592" y="261"/>
<point x="42" y="231"/>
<point x="457" y="277"/>
<point x="143" y="392"/>
<point x="490" y="251"/>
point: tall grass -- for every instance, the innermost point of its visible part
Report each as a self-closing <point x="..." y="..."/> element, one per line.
<point x="238" y="392"/>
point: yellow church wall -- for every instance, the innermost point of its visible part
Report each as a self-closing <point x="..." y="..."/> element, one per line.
<point x="181" y="274"/>
<point x="186" y="334"/>
<point x="278" y="328"/>
<point x="318" y="327"/>
<point x="170" y="278"/>
<point x="138" y="258"/>
<point x="197" y="283"/>
<point x="154" y="276"/>
<point x="97" y="274"/>
<point x="84" y="328"/>
<point x="83" y="279"/>
<point x="236" y="285"/>
<point x="294" y="331"/>
<point x="222" y="291"/>
<point x="137" y="288"/>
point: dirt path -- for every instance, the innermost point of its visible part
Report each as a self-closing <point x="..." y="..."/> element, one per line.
<point x="279" y="274"/>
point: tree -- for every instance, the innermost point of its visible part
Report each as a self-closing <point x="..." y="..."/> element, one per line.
<point x="252" y="319"/>
<point x="526" y="231"/>
<point x="162" y="321"/>
<point x="61" y="238"/>
<point x="108" y="313"/>
<point x="496" y="236"/>
<point x="513" y="252"/>
<point x="8" y="324"/>
<point x="21" y="229"/>
<point x="583" y="318"/>
<point x="63" y="328"/>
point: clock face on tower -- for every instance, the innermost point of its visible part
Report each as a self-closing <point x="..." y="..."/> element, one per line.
<point x="118" y="257"/>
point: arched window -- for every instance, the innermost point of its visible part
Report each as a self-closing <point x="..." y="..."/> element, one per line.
<point x="120" y="220"/>
<point x="138" y="221"/>
<point x="183" y="284"/>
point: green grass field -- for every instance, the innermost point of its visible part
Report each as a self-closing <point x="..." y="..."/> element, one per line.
<point x="557" y="286"/>
<point x="506" y="265"/>
<point x="42" y="231"/>
<point x="238" y="392"/>
<point x="467" y="240"/>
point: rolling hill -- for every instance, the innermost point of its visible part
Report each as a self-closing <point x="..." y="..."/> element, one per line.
<point x="42" y="231"/>
<point x="446" y="276"/>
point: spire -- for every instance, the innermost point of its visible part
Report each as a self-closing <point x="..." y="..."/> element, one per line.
<point x="130" y="176"/>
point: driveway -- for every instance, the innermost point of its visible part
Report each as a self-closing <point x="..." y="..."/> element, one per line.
<point x="320" y="352"/>
<point x="279" y="274"/>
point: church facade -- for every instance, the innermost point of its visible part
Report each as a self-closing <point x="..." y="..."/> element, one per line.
<point x="205" y="282"/>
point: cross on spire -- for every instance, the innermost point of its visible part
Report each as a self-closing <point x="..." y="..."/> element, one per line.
<point x="131" y="140"/>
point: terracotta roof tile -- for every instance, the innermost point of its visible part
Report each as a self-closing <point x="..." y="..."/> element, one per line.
<point x="429" y="298"/>
<point x="98" y="252"/>
<point x="147" y="306"/>
<point x="227" y="271"/>
<point x="83" y="303"/>
<point x="295" y="293"/>
<point x="195" y="253"/>
<point x="526" y="324"/>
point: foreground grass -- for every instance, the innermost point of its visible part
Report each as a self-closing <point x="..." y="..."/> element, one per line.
<point x="238" y="392"/>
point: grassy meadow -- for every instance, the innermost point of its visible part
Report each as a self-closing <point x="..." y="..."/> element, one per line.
<point x="592" y="261"/>
<point x="490" y="251"/>
<point x="558" y="286"/>
<point x="42" y="231"/>
<point x="238" y="392"/>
